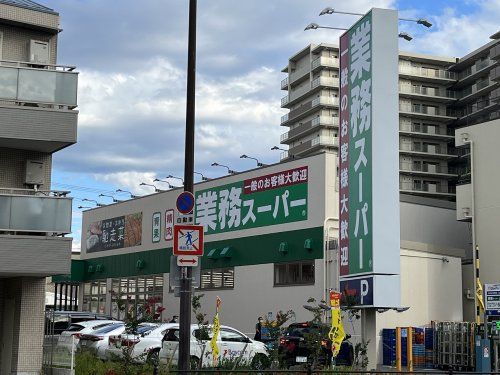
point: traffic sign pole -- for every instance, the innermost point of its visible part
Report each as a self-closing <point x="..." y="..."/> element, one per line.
<point x="185" y="282"/>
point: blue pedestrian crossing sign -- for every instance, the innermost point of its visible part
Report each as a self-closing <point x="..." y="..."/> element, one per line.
<point x="185" y="202"/>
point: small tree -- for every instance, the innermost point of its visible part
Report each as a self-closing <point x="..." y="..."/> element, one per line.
<point x="276" y="329"/>
<point x="317" y="335"/>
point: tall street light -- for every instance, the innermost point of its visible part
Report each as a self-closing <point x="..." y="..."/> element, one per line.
<point x="259" y="164"/>
<point x="314" y="26"/>
<point x="229" y="170"/>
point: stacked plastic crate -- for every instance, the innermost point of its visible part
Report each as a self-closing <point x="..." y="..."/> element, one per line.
<point x="429" y="347"/>
<point x="418" y="347"/>
<point x="389" y="347"/>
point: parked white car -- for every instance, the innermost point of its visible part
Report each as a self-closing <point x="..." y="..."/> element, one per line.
<point x="232" y="345"/>
<point x="97" y="342"/>
<point x="143" y="346"/>
<point x="76" y="330"/>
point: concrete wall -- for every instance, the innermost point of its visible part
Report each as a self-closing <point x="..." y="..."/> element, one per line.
<point x="484" y="195"/>
<point x="13" y="167"/>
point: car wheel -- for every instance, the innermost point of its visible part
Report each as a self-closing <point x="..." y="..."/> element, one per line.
<point x="260" y="362"/>
<point x="194" y="362"/>
<point x="154" y="357"/>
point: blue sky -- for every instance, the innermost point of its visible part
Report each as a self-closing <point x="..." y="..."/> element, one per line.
<point x="132" y="57"/>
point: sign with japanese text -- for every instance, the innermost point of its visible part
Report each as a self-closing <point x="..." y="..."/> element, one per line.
<point x="114" y="233"/>
<point x="188" y="240"/>
<point x="356" y="149"/>
<point x="156" y="227"/>
<point x="336" y="333"/>
<point x="492" y="299"/>
<point x="369" y="237"/>
<point x="169" y="224"/>
<point x="266" y="200"/>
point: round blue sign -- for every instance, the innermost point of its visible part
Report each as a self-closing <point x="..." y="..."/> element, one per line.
<point x="185" y="202"/>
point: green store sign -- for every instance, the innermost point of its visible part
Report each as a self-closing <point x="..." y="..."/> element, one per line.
<point x="277" y="198"/>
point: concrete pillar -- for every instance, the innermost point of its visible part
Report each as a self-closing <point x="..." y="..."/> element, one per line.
<point x="369" y="335"/>
<point x="26" y="304"/>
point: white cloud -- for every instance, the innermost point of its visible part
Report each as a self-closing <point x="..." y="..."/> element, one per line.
<point x="131" y="180"/>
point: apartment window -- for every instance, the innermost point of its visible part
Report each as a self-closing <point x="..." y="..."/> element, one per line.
<point x="296" y="273"/>
<point x="94" y="296"/>
<point x="218" y="278"/>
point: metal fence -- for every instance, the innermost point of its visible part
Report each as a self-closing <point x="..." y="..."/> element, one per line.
<point x="58" y="351"/>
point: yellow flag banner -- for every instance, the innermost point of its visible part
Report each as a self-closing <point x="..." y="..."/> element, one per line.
<point x="479" y="294"/>
<point x="337" y="333"/>
<point x="215" y="333"/>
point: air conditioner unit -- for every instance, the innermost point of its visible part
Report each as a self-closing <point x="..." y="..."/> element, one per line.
<point x="35" y="172"/>
<point x="39" y="52"/>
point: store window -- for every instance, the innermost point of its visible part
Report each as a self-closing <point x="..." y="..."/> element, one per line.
<point x="219" y="278"/>
<point x="132" y="292"/>
<point x="94" y="296"/>
<point x="296" y="273"/>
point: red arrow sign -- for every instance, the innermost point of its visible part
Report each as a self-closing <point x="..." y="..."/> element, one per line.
<point x="187" y="260"/>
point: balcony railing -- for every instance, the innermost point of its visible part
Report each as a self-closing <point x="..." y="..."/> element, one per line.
<point x="479" y="65"/>
<point x="325" y="120"/>
<point x="325" y="141"/>
<point x="284" y="83"/>
<point x="425" y="72"/>
<point x="429" y="91"/>
<point x="432" y="111"/>
<point x="325" y="61"/>
<point x="325" y="100"/>
<point x="285" y="100"/>
<point x="23" y="210"/>
<point x="295" y="75"/>
<point x="56" y="85"/>
<point x="284" y="118"/>
<point x="424" y="129"/>
<point x="430" y="149"/>
<point x="429" y="188"/>
<point x="325" y="81"/>
<point x="428" y="168"/>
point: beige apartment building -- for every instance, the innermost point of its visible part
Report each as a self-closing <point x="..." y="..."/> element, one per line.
<point x="436" y="95"/>
<point x="37" y="118"/>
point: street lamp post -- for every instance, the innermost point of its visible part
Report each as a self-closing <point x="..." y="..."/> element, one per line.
<point x="259" y="164"/>
<point x="177" y="178"/>
<point x="170" y="186"/>
<point x="93" y="200"/>
<point x="229" y="170"/>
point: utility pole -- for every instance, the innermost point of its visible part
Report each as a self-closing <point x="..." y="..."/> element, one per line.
<point x="185" y="282"/>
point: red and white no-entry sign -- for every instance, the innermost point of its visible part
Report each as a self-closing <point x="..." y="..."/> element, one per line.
<point x="188" y="240"/>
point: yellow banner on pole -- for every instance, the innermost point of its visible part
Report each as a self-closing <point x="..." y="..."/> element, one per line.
<point x="215" y="332"/>
<point x="337" y="333"/>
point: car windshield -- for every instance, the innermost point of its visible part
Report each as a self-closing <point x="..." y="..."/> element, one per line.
<point x="109" y="328"/>
<point x="300" y="330"/>
<point x="144" y="329"/>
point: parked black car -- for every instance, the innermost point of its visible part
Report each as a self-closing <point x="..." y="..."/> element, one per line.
<point x="293" y="348"/>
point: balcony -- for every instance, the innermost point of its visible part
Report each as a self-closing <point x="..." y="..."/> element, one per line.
<point x="427" y="170"/>
<point x="327" y="62"/>
<point x="480" y="88"/>
<point x="427" y="93"/>
<point x="30" y="211"/>
<point x="426" y="131"/>
<point x="425" y="112"/>
<point x="428" y="75"/>
<point x="436" y="151"/>
<point x="433" y="190"/>
<point x="308" y="108"/>
<point x="37" y="111"/>
<point x="312" y="146"/>
<point x="308" y="127"/>
<point x="480" y="68"/>
<point x="325" y="82"/>
<point x="284" y="84"/>
<point x="325" y="142"/>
